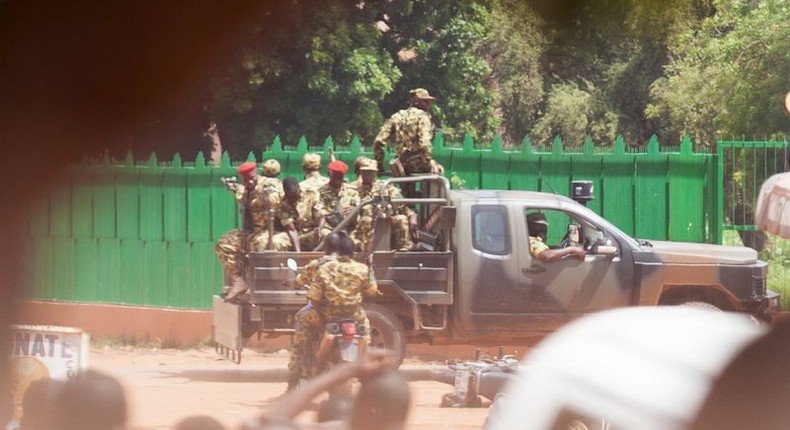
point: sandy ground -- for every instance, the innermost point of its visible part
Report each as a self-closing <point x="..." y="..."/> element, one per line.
<point x="164" y="386"/>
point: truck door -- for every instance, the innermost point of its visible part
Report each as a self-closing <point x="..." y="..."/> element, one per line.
<point x="564" y="289"/>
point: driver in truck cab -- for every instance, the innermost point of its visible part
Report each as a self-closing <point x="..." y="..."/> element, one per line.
<point x="538" y="228"/>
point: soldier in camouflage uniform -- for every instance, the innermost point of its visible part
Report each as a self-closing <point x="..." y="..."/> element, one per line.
<point x="412" y="129"/>
<point x="311" y="166"/>
<point x="270" y="193"/>
<point x="403" y="218"/>
<point x="538" y="228"/>
<point x="301" y="215"/>
<point x="302" y="331"/>
<point x="232" y="247"/>
<point x="336" y="291"/>
<point x="338" y="198"/>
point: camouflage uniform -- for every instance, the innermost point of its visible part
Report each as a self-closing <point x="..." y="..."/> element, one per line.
<point x="412" y="129"/>
<point x="269" y="194"/>
<point x="334" y="201"/>
<point x="306" y="215"/>
<point x="255" y="203"/>
<point x="336" y="291"/>
<point x="536" y="246"/>
<point x="362" y="234"/>
<point x="313" y="181"/>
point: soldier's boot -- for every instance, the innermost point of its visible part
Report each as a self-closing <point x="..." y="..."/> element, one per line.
<point x="239" y="287"/>
<point x="225" y="290"/>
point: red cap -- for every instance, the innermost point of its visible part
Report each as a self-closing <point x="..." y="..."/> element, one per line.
<point x="338" y="166"/>
<point x="246" y="168"/>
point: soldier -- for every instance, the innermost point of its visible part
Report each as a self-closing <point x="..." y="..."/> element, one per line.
<point x="412" y="129"/>
<point x="305" y="325"/>
<point x="269" y="194"/>
<point x="311" y="166"/>
<point x="338" y="198"/>
<point x="538" y="228"/>
<point x="232" y="247"/>
<point x="301" y="216"/>
<point x="403" y="219"/>
<point x="336" y="292"/>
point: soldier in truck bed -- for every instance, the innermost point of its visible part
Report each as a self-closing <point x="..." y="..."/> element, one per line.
<point x="232" y="247"/>
<point x="269" y="191"/>
<point x="301" y="215"/>
<point x="311" y="167"/>
<point x="338" y="198"/>
<point x="403" y="219"/>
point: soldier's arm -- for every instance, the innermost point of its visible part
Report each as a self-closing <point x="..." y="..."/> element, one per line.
<point x="369" y="287"/>
<point x="549" y="255"/>
<point x="425" y="132"/>
<point x="385" y="132"/>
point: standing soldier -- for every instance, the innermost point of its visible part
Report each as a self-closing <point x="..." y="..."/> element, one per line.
<point x="301" y="216"/>
<point x="269" y="192"/>
<point x="338" y="198"/>
<point x="336" y="292"/>
<point x="232" y="247"/>
<point x="311" y="166"/>
<point x="412" y="129"/>
<point x="403" y="219"/>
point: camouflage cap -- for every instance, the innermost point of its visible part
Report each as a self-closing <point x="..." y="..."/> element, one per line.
<point x="537" y="218"/>
<point x="271" y="168"/>
<point x="368" y="164"/>
<point x="311" y="161"/>
<point x="420" y="94"/>
<point x="358" y="162"/>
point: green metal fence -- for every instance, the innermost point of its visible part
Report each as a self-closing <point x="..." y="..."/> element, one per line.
<point x="142" y="233"/>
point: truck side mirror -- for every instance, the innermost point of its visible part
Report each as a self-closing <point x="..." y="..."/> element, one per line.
<point x="604" y="246"/>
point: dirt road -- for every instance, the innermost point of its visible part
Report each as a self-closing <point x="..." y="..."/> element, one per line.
<point x="163" y="386"/>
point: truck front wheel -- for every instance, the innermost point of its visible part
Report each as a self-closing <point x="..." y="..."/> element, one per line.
<point x="386" y="331"/>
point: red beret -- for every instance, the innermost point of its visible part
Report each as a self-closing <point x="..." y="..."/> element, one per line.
<point x="338" y="166"/>
<point x="246" y="168"/>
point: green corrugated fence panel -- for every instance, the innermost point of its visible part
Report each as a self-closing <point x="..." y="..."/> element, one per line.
<point x="588" y="166"/>
<point x="179" y="279"/>
<point x="224" y="211"/>
<point x="711" y="201"/>
<point x="86" y="266"/>
<point x="617" y="188"/>
<point x="82" y="201"/>
<point x="206" y="276"/>
<point x="61" y="210"/>
<point x="63" y="264"/>
<point x="155" y="273"/>
<point x="439" y="151"/>
<point x="109" y="270"/>
<point x="40" y="268"/>
<point x="104" y="204"/>
<point x="151" y="205"/>
<point x="466" y="164"/>
<point x="174" y="197"/>
<point x="524" y="168"/>
<point x="133" y="276"/>
<point x="198" y="214"/>
<point x="650" y="194"/>
<point x="128" y="198"/>
<point x="495" y="168"/>
<point x="686" y="197"/>
<point x="555" y="170"/>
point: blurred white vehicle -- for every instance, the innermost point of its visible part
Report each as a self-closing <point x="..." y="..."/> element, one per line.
<point x="649" y="368"/>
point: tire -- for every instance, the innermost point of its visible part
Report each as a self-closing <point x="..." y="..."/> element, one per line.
<point x="386" y="332"/>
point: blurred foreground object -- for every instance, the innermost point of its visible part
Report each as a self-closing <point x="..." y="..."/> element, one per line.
<point x="667" y="368"/>
<point x="773" y="205"/>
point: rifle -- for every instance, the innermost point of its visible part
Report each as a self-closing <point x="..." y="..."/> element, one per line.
<point x="230" y="182"/>
<point x="331" y="153"/>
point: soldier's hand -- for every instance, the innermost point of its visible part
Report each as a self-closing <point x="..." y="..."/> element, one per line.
<point x="578" y="252"/>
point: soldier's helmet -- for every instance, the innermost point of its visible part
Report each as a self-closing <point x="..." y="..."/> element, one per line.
<point x="536" y="218"/>
<point x="420" y="94"/>
<point x="311" y="161"/>
<point x="271" y="168"/>
<point x="368" y="164"/>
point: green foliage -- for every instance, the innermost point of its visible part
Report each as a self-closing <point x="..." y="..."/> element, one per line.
<point x="728" y="74"/>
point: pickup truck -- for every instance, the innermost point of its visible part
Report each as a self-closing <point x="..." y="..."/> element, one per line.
<point x="473" y="281"/>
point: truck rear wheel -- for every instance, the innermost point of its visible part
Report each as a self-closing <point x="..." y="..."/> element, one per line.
<point x="386" y="331"/>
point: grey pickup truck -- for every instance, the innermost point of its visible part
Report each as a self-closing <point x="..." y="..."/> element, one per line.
<point x="472" y="279"/>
